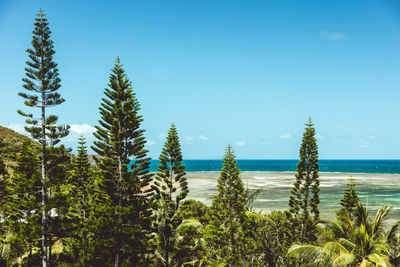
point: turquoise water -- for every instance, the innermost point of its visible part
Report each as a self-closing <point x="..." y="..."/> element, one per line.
<point x="378" y="182"/>
<point x="353" y="166"/>
<point x="375" y="190"/>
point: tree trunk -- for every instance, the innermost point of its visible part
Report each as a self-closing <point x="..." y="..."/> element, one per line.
<point x="116" y="263"/>
<point x="84" y="225"/>
<point x="118" y="245"/>
<point x="43" y="204"/>
<point x="50" y="244"/>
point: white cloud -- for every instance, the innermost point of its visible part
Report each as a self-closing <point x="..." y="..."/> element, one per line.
<point x="265" y="143"/>
<point x="332" y="35"/>
<point x="162" y="135"/>
<point x="19" y="128"/>
<point x="151" y="142"/>
<point x="77" y="130"/>
<point x="202" y="137"/>
<point x="285" y="136"/>
<point x="241" y="143"/>
<point x="82" y="129"/>
<point x="318" y="136"/>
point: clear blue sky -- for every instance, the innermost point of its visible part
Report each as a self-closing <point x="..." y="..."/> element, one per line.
<point x="247" y="73"/>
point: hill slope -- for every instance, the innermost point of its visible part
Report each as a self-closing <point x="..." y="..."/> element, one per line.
<point x="12" y="141"/>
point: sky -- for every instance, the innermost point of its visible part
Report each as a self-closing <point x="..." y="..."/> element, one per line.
<point x="246" y="73"/>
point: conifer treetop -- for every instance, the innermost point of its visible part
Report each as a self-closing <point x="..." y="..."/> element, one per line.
<point x="171" y="171"/>
<point x="42" y="82"/>
<point x="304" y="198"/>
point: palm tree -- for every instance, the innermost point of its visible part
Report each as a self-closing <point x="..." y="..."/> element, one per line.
<point x="357" y="240"/>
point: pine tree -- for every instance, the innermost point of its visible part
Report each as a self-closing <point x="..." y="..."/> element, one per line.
<point x="42" y="83"/>
<point x="58" y="166"/>
<point x="350" y="197"/>
<point x="3" y="168"/>
<point x="170" y="187"/>
<point x="24" y="196"/>
<point x="80" y="184"/>
<point x="4" y="181"/>
<point x="228" y="220"/>
<point x="124" y="169"/>
<point x="304" y="198"/>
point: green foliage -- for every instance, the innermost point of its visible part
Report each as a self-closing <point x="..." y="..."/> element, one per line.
<point x="79" y="193"/>
<point x="42" y="83"/>
<point x="190" y="243"/>
<point x="113" y="213"/>
<point x="366" y="244"/>
<point x="11" y="145"/>
<point x="124" y="215"/>
<point x="304" y="198"/>
<point x="193" y="209"/>
<point x="58" y="166"/>
<point x="270" y="234"/>
<point x="170" y="188"/>
<point x="227" y="230"/>
<point x="23" y="212"/>
<point x="4" y="178"/>
<point x="11" y="248"/>
<point x="22" y="209"/>
<point x="350" y="197"/>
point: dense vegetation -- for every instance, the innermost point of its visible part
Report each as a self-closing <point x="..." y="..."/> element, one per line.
<point x="58" y="209"/>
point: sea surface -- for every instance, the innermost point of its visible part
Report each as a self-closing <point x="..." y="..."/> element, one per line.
<point x="378" y="182"/>
<point x="325" y="165"/>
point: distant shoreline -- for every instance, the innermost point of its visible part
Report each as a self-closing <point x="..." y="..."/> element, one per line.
<point x="294" y="172"/>
<point x="346" y="166"/>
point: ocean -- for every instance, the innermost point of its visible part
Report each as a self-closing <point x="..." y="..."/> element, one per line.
<point x="325" y="165"/>
<point x="378" y="182"/>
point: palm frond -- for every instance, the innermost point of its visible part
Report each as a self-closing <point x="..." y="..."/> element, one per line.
<point x="378" y="260"/>
<point x="334" y="225"/>
<point x="343" y="259"/>
<point x="381" y="215"/>
<point x="309" y="253"/>
<point x="394" y="230"/>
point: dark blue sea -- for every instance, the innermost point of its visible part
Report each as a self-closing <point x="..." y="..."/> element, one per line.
<point x="325" y="165"/>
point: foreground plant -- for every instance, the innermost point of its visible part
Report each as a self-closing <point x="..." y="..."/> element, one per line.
<point x="228" y="224"/>
<point x="366" y="244"/>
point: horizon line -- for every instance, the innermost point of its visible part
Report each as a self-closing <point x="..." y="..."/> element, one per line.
<point x="292" y="159"/>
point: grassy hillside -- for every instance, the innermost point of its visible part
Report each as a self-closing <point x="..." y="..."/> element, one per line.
<point x="12" y="141"/>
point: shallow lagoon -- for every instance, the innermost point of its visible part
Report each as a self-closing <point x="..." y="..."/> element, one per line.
<point x="375" y="189"/>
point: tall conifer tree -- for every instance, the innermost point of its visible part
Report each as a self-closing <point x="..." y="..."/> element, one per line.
<point x="24" y="196"/>
<point x="80" y="184"/>
<point x="304" y="198"/>
<point x="170" y="187"/>
<point x="350" y="197"/>
<point x="124" y="169"/>
<point x="42" y="83"/>
<point x="228" y="219"/>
